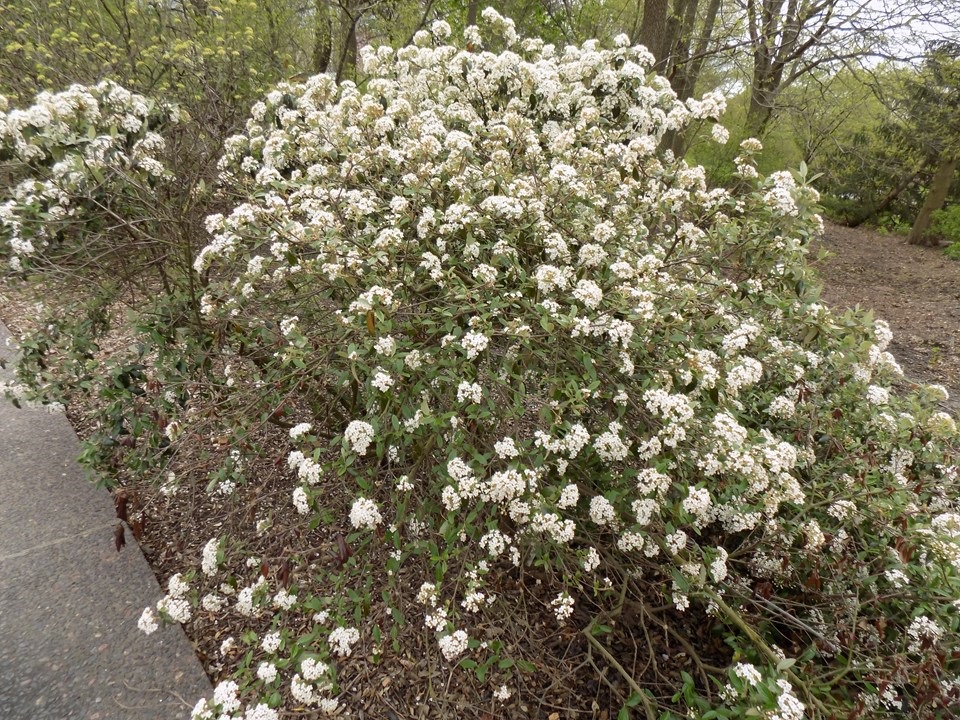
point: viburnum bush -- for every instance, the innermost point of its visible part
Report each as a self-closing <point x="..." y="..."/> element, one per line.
<point x="519" y="349"/>
<point x="91" y="204"/>
<point x="78" y="157"/>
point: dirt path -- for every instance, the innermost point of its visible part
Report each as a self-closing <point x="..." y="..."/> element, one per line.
<point x="915" y="289"/>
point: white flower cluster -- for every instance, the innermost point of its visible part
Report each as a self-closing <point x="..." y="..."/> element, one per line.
<point x="365" y="514"/>
<point x="210" y="561"/>
<point x="73" y="144"/>
<point x="453" y="645"/>
<point x="342" y="640"/>
<point x="359" y="434"/>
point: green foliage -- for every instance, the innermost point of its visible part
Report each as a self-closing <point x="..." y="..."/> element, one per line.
<point x="210" y="58"/>
<point x="891" y="131"/>
<point x="780" y="148"/>
<point x="945" y="224"/>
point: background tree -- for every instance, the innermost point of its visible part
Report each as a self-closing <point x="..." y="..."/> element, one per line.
<point x="933" y="119"/>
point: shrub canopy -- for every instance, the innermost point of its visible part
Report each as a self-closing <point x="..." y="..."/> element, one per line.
<point x="510" y="336"/>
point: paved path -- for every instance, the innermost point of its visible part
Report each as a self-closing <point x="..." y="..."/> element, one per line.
<point x="69" y="602"/>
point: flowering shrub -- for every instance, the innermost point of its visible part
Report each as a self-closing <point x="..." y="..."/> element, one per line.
<point x="79" y="156"/>
<point x="519" y="350"/>
<point x="91" y="203"/>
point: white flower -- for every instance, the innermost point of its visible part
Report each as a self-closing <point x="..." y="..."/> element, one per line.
<point x="877" y="395"/>
<point x="602" y="512"/>
<point x="469" y="392"/>
<point x="506" y="448"/>
<point x="288" y="325"/>
<point x="609" y="446"/>
<point x="746" y="373"/>
<point x="147" y="622"/>
<point x="568" y="496"/>
<point x="589" y="293"/>
<point x="453" y="645"/>
<point x="267" y="671"/>
<point x="176" y="608"/>
<point x="782" y="407"/>
<point x="284" y="600"/>
<point x="474" y="343"/>
<point x="212" y="602"/>
<point x="202" y="710"/>
<point x="676" y="541"/>
<point x="226" y="695"/>
<point x="788" y="706"/>
<point x="440" y="29"/>
<point x="550" y="278"/>
<point x="209" y="562"/>
<point x="897" y="578"/>
<point x="923" y="634"/>
<point x="300" y="429"/>
<point x="177" y="586"/>
<point x="382" y="380"/>
<point x="300" y="501"/>
<point x="365" y="514"/>
<point x="562" y="606"/>
<point x="313" y="669"/>
<point x="748" y="673"/>
<point x="270" y="643"/>
<point x="359" y="434"/>
<point x="592" y="255"/>
<point x="342" y="640"/>
<point x="260" y="712"/>
<point x="592" y="560"/>
<point x="385" y="345"/>
<point x="698" y="503"/>
<point x="302" y="691"/>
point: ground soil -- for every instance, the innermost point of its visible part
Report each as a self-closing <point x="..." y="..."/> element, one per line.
<point x="915" y="289"/>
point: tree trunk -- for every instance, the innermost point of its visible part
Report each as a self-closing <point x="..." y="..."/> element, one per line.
<point x="347" y="67"/>
<point x="690" y="72"/>
<point x="678" y="30"/>
<point x="653" y="28"/>
<point x="760" y="111"/>
<point x="322" y="38"/>
<point x="472" y="12"/>
<point x="939" y="189"/>
<point x="889" y="197"/>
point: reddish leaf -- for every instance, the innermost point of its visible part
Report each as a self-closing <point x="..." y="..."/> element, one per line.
<point x="344" y="551"/>
<point x="120" y="499"/>
<point x="119" y="537"/>
<point x="764" y="589"/>
<point x="905" y="549"/>
<point x="137" y="527"/>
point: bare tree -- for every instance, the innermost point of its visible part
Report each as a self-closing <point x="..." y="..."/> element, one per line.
<point x="788" y="39"/>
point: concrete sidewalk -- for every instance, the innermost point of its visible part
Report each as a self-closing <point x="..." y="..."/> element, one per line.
<point x="69" y="602"/>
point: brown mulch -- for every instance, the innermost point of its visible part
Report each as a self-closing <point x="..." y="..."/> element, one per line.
<point x="915" y="289"/>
